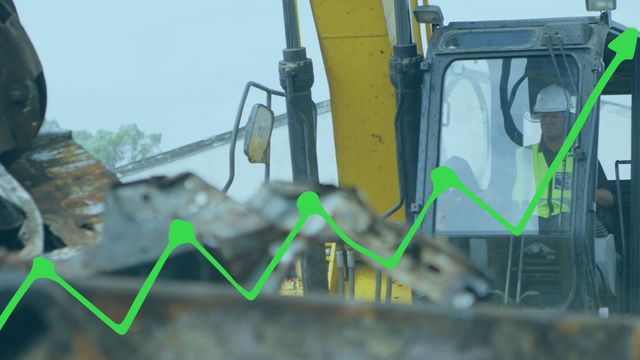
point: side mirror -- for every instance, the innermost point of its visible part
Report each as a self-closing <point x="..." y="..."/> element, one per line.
<point x="257" y="134"/>
<point x="429" y="14"/>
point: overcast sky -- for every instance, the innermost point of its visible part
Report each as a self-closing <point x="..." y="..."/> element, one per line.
<point x="179" y="67"/>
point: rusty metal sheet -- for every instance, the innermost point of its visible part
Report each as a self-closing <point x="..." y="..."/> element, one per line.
<point x="68" y="185"/>
<point x="195" y="321"/>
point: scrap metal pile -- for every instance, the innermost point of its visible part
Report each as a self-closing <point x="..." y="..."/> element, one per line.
<point x="197" y="318"/>
<point x="244" y="237"/>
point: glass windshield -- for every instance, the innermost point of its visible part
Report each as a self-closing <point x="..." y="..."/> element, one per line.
<point x="491" y="137"/>
<point x="502" y="123"/>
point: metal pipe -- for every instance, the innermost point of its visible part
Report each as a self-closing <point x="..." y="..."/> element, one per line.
<point x="415" y="26"/>
<point x="236" y="126"/>
<point x="310" y="138"/>
<point x="623" y="239"/>
<point x="267" y="173"/>
<point x="507" y="284"/>
<point x="633" y="260"/>
<point x="633" y="256"/>
<point x="568" y="119"/>
<point x="378" y="290"/>
<point x="619" y="198"/>
<point x="387" y="294"/>
<point x="291" y="27"/>
<point x="395" y="207"/>
<point x="302" y="144"/>
<point x="519" y="286"/>
<point x="340" y="267"/>
<point x="267" y="166"/>
<point x="406" y="77"/>
<point x="583" y="246"/>
<point x="403" y="25"/>
<point x="296" y="77"/>
<point x="400" y="158"/>
<point x="351" y="266"/>
<point x="304" y="158"/>
<point x="234" y="139"/>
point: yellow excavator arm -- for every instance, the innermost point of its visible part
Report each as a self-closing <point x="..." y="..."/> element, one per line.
<point x="356" y="39"/>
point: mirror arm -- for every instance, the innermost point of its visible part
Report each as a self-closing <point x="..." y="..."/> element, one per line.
<point x="236" y="126"/>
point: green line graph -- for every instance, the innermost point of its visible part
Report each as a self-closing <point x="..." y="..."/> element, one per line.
<point x="182" y="233"/>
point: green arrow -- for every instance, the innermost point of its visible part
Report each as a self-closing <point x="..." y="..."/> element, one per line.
<point x="182" y="232"/>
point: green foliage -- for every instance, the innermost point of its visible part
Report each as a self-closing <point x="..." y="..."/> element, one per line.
<point x="50" y="124"/>
<point x="118" y="148"/>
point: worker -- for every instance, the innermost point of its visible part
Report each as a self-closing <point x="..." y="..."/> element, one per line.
<point x="552" y="108"/>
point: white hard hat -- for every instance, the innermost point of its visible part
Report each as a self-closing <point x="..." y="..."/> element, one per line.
<point x="553" y="98"/>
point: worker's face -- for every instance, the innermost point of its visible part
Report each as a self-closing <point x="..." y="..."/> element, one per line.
<point x="552" y="125"/>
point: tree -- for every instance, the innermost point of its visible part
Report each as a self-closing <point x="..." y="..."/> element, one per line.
<point x="50" y="124"/>
<point x="118" y="148"/>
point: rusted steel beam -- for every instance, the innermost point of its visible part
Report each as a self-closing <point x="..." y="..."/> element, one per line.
<point x="187" y="320"/>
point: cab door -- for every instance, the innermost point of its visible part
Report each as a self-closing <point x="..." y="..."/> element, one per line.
<point x="619" y="153"/>
<point x="632" y="258"/>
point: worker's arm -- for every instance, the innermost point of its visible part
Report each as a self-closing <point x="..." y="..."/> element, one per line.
<point x="604" y="198"/>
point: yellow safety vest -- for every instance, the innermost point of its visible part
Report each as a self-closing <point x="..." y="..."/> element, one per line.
<point x="557" y="195"/>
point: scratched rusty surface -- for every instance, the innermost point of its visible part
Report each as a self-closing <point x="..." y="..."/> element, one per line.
<point x="67" y="184"/>
<point x="194" y="321"/>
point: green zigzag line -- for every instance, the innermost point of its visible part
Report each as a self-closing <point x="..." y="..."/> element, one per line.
<point x="182" y="232"/>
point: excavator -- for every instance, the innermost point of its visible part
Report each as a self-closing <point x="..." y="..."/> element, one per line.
<point x="466" y="106"/>
<point x="494" y="71"/>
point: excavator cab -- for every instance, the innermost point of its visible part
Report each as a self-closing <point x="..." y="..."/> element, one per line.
<point x="481" y="84"/>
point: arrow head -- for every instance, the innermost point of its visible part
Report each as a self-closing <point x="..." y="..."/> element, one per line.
<point x="43" y="268"/>
<point x="624" y="45"/>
